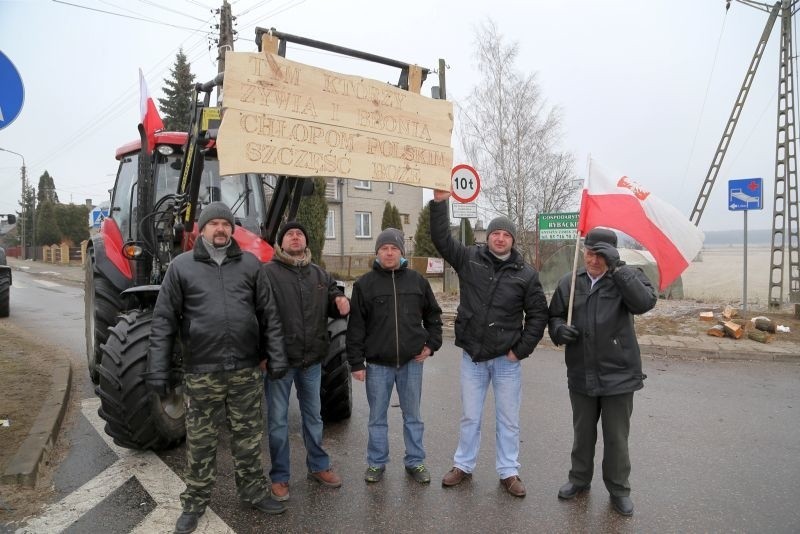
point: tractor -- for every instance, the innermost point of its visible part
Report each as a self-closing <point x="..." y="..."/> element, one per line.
<point x="155" y="203"/>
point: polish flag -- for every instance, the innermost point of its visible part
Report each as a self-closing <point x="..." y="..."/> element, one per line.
<point x="623" y="204"/>
<point x="150" y="120"/>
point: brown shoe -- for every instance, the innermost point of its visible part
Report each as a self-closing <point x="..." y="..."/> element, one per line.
<point x="280" y="491"/>
<point x="455" y="477"/>
<point x="514" y="486"/>
<point x="327" y="478"/>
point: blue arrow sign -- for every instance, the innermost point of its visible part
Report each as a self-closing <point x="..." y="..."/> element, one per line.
<point x="12" y="93"/>
<point x="745" y="194"/>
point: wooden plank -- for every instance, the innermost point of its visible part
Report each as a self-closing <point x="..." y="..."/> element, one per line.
<point x="388" y="134"/>
<point x="269" y="43"/>
<point x="415" y="79"/>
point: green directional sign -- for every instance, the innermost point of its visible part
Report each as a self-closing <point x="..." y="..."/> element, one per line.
<point x="554" y="226"/>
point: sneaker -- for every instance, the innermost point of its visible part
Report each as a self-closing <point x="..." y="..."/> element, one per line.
<point x="420" y="473"/>
<point x="327" y="478"/>
<point x="514" y="486"/>
<point x="374" y="473"/>
<point x="455" y="476"/>
<point x="269" y="506"/>
<point x="280" y="491"/>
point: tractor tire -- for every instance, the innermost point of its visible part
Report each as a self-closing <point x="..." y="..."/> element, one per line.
<point x="102" y="306"/>
<point x="135" y="417"/>
<point x="337" y="384"/>
<point x="5" y="293"/>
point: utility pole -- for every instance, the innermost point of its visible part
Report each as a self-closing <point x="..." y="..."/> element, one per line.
<point x="22" y="224"/>
<point x="225" y="41"/>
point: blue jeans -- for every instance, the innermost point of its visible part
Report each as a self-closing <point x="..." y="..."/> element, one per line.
<point x="379" y="383"/>
<point x="307" y="382"/>
<point x="505" y="377"/>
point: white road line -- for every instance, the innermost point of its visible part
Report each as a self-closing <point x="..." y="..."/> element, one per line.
<point x="48" y="283"/>
<point x="158" y="480"/>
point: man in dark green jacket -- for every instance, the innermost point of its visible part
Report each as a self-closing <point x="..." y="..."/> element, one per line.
<point x="501" y="319"/>
<point x="395" y="325"/>
<point x="604" y="366"/>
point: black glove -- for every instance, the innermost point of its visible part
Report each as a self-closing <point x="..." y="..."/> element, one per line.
<point x="608" y="253"/>
<point x="158" y="386"/>
<point x="567" y="334"/>
<point x="277" y="374"/>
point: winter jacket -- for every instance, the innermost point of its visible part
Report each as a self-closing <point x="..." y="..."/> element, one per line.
<point x="226" y="315"/>
<point x="499" y="310"/>
<point x="605" y="360"/>
<point x="393" y="316"/>
<point x="305" y="295"/>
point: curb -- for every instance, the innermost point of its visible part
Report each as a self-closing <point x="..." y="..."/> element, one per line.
<point x="23" y="469"/>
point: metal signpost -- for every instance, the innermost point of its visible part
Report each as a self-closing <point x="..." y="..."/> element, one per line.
<point x="465" y="184"/>
<point x="744" y="195"/>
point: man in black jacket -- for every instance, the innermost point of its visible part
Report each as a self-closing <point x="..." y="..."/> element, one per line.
<point x="306" y="296"/>
<point x="501" y="319"/>
<point x="604" y="366"/>
<point x="395" y="324"/>
<point x="220" y="302"/>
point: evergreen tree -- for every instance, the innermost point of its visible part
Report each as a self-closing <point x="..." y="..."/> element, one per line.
<point x="26" y="223"/>
<point x="47" y="189"/>
<point x="423" y="246"/>
<point x="47" y="229"/>
<point x="179" y="90"/>
<point x="73" y="222"/>
<point x="312" y="213"/>
<point x="386" y="219"/>
<point x="397" y="222"/>
<point x="468" y="233"/>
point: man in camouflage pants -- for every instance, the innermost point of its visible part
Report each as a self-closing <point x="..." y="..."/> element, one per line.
<point x="220" y="302"/>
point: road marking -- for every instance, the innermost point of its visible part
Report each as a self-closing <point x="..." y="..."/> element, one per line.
<point x="47" y="283"/>
<point x="163" y="485"/>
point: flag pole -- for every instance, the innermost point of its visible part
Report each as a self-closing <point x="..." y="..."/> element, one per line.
<point x="577" y="247"/>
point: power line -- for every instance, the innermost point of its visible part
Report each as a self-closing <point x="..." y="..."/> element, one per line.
<point x="124" y="16"/>
<point x="154" y="4"/>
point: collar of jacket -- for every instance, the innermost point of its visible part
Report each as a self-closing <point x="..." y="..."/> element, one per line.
<point x="514" y="261"/>
<point x="201" y="254"/>
<point x="286" y="259"/>
<point x="376" y="265"/>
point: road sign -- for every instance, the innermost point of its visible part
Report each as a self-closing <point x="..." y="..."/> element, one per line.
<point x="745" y="194"/>
<point x="465" y="183"/>
<point x="12" y="93"/>
<point x="465" y="211"/>
<point x="96" y="217"/>
<point x="554" y="226"/>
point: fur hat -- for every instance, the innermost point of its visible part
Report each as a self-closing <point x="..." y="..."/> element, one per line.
<point x="289" y="226"/>
<point x="502" y="223"/>
<point x="597" y="235"/>
<point x="391" y="236"/>
<point x="215" y="210"/>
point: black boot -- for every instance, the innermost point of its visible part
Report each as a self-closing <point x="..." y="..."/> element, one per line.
<point x="622" y="504"/>
<point x="187" y="522"/>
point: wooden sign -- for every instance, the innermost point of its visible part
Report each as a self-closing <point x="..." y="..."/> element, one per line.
<point x="283" y="117"/>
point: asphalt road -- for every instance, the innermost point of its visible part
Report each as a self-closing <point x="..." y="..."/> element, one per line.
<point x="714" y="446"/>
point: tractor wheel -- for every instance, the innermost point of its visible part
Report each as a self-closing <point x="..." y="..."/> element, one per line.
<point x="102" y="305"/>
<point x="5" y="293"/>
<point x="337" y="383"/>
<point x="136" y="418"/>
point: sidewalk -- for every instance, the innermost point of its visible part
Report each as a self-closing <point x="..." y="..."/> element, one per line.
<point x="24" y="467"/>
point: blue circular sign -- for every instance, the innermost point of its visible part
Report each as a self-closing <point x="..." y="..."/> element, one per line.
<point x="12" y="93"/>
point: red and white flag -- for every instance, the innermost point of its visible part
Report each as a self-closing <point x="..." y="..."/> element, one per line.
<point x="623" y="204"/>
<point x="150" y="120"/>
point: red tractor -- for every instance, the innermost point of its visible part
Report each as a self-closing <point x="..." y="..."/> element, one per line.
<point x="155" y="202"/>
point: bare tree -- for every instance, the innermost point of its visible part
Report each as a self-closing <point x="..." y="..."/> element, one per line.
<point x="511" y="136"/>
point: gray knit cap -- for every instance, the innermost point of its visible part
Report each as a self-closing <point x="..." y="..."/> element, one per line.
<point x="215" y="210"/>
<point x="391" y="236"/>
<point x="502" y="223"/>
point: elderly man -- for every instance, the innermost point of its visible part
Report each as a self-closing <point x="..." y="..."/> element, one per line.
<point x="501" y="319"/>
<point x="220" y="302"/>
<point x="604" y="366"/>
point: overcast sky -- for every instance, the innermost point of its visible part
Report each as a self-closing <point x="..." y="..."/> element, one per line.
<point x="645" y="87"/>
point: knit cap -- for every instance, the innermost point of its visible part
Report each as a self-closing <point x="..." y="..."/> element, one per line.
<point x="215" y="210"/>
<point x="391" y="236"/>
<point x="289" y="226"/>
<point x="502" y="223"/>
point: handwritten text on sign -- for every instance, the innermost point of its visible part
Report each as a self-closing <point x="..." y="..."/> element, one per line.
<point x="283" y="117"/>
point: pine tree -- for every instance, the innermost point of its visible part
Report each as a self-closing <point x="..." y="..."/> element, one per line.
<point x="180" y="91"/>
<point x="468" y="233"/>
<point x="73" y="222"/>
<point x="397" y="222"/>
<point x="47" y="189"/>
<point x="423" y="246"/>
<point x="312" y="213"/>
<point x="386" y="219"/>
<point x="47" y="229"/>
<point x="26" y="206"/>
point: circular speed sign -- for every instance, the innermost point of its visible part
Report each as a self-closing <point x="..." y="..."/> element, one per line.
<point x="465" y="183"/>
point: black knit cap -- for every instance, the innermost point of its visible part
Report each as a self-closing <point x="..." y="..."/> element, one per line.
<point x="598" y="235"/>
<point x="215" y="210"/>
<point x="391" y="236"/>
<point x="288" y="226"/>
